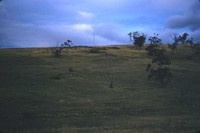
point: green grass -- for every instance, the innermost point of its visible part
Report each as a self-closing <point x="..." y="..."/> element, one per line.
<point x="38" y="93"/>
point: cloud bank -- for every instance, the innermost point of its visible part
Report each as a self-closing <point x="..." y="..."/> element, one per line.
<point x="190" y="19"/>
<point x="36" y="23"/>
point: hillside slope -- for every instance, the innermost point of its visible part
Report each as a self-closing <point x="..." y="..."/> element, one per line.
<point x="40" y="93"/>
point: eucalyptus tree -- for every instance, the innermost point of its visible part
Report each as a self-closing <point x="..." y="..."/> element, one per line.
<point x="154" y="43"/>
<point x="137" y="38"/>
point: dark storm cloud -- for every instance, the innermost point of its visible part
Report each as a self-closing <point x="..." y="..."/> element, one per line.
<point x="190" y="19"/>
<point x="28" y="23"/>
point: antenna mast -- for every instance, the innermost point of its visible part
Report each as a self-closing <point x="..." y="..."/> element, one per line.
<point x="93" y="37"/>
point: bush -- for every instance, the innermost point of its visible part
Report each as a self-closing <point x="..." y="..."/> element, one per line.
<point x="114" y="48"/>
<point x="154" y="40"/>
<point x="173" y="46"/>
<point x="161" y="57"/>
<point x="161" y="71"/>
<point x="151" y="49"/>
<point x="68" y="44"/>
<point x="154" y="43"/>
<point x="190" y="42"/>
<point x="183" y="38"/>
<point x="137" y="38"/>
<point x="163" y="75"/>
<point x="56" y="51"/>
<point x="94" y="50"/>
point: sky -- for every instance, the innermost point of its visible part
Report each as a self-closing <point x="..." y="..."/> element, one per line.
<point x="43" y="23"/>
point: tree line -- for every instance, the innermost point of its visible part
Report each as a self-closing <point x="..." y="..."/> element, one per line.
<point x="159" y="68"/>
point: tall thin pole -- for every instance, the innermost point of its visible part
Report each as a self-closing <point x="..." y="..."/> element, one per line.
<point x="93" y="37"/>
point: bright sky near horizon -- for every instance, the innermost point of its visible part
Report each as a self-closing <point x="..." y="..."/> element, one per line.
<point x="35" y="23"/>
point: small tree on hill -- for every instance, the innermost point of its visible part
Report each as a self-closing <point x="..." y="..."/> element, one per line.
<point x="59" y="49"/>
<point x="137" y="38"/>
<point x="174" y="45"/>
<point x="176" y="38"/>
<point x="154" y="40"/>
<point x="68" y="43"/>
<point x="159" y="69"/>
<point x="154" y="43"/>
<point x="183" y="38"/>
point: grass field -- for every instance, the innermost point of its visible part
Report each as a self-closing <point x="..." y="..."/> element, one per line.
<point x="39" y="94"/>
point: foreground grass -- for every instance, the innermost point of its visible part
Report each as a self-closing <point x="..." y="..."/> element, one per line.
<point x="38" y="93"/>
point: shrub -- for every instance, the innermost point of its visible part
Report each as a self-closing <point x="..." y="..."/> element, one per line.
<point x="160" y="71"/>
<point x="68" y="44"/>
<point x="161" y="57"/>
<point x="176" y="40"/>
<point x="56" y="51"/>
<point x="151" y="49"/>
<point x="102" y="48"/>
<point x="190" y="42"/>
<point x="154" y="43"/>
<point x="137" y="38"/>
<point x="163" y="75"/>
<point x="114" y="48"/>
<point x="183" y="38"/>
<point x="94" y="50"/>
<point x="154" y="40"/>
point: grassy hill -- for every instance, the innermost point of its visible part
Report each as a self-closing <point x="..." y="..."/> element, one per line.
<point x="40" y="93"/>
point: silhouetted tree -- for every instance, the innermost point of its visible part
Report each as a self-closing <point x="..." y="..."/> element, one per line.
<point x="154" y="43"/>
<point x="183" y="38"/>
<point x="68" y="44"/>
<point x="58" y="50"/>
<point x="154" y="40"/>
<point x="137" y="38"/>
<point x="176" y="39"/>
<point x="159" y="68"/>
